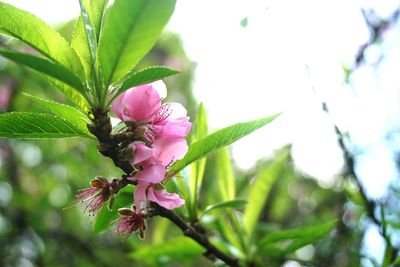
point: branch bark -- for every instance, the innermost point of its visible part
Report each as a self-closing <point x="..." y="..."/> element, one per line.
<point x="212" y="252"/>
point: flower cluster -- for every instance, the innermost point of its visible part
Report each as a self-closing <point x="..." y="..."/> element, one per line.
<point x="164" y="127"/>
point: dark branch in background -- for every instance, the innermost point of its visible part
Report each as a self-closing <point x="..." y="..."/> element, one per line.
<point x="116" y="147"/>
<point x="377" y="27"/>
<point x="370" y="205"/>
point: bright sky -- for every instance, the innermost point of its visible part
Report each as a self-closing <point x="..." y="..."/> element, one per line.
<point x="271" y="66"/>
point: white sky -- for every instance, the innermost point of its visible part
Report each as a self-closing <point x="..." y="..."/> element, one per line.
<point x="247" y="73"/>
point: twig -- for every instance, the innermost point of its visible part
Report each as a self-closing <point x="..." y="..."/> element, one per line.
<point x="115" y="146"/>
<point x="376" y="27"/>
<point x="191" y="232"/>
<point x="370" y="205"/>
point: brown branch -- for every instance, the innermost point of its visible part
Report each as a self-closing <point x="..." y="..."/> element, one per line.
<point x="116" y="147"/>
<point x="189" y="231"/>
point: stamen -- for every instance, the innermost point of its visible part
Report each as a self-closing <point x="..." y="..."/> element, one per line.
<point x="163" y="113"/>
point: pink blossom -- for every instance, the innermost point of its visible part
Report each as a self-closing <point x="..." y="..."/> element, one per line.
<point x="145" y="191"/>
<point x="169" y="122"/>
<point x="130" y="222"/>
<point x="151" y="170"/>
<point x="164" y="199"/>
<point x="95" y="196"/>
<point x="139" y="104"/>
<point x="164" y="128"/>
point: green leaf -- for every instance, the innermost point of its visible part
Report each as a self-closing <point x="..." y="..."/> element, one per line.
<point x="131" y="28"/>
<point x="144" y="76"/>
<point x="236" y="203"/>
<point x="71" y="114"/>
<point x="35" y="125"/>
<point x="225" y="228"/>
<point x="69" y="92"/>
<point x="80" y="44"/>
<point x="105" y="217"/>
<point x="56" y="74"/>
<point x="197" y="168"/>
<point x="225" y="177"/>
<point x="244" y="22"/>
<point x="160" y="228"/>
<point x="218" y="140"/>
<point x="36" y="33"/>
<point x="46" y="67"/>
<point x="89" y="30"/>
<point x="97" y="10"/>
<point x="301" y="237"/>
<point x="177" y="248"/>
<point x="259" y="191"/>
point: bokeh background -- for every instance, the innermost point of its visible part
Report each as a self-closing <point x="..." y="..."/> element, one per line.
<point x="331" y="68"/>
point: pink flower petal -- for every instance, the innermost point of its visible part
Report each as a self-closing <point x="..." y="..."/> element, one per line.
<point x="164" y="199"/>
<point x="142" y="153"/>
<point x="118" y="107"/>
<point x="169" y="151"/>
<point x="177" y="110"/>
<point x="139" y="104"/>
<point x="161" y="88"/>
<point x="152" y="171"/>
<point x="142" y="102"/>
<point x="139" y="196"/>
<point x="172" y="129"/>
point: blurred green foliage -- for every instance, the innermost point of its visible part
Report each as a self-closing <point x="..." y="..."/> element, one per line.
<point x="40" y="226"/>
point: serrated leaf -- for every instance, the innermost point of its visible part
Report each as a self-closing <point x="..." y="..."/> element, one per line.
<point x="69" y="92"/>
<point x="46" y="67"/>
<point x="218" y="140"/>
<point x="301" y="237"/>
<point x="259" y="191"/>
<point x="105" y="217"/>
<point x="54" y="73"/>
<point x="131" y="28"/>
<point x="80" y="42"/>
<point x="36" y="33"/>
<point x="144" y="76"/>
<point x="176" y="247"/>
<point x="225" y="177"/>
<point x="97" y="10"/>
<point x="28" y="125"/>
<point x="88" y="27"/>
<point x="71" y="114"/>
<point x="236" y="203"/>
